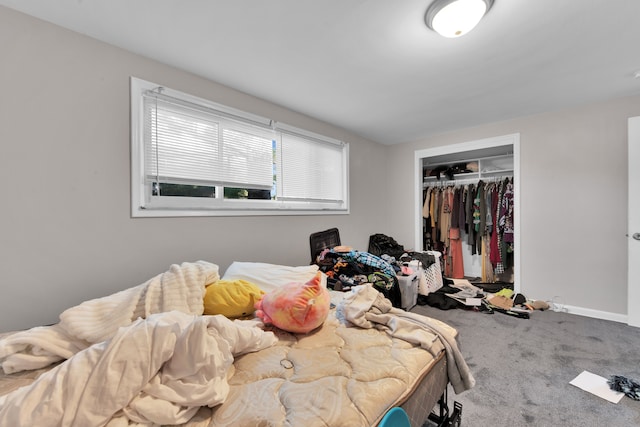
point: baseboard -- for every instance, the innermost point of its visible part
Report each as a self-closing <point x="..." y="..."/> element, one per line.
<point x="588" y="312"/>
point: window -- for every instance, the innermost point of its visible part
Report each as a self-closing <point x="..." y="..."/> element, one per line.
<point x="192" y="157"/>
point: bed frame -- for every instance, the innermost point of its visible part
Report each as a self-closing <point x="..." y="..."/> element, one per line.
<point x="428" y="404"/>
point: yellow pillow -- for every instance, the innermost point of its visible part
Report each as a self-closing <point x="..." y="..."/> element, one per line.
<point x="231" y="298"/>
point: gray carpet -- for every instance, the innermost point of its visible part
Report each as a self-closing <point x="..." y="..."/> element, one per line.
<point x="523" y="368"/>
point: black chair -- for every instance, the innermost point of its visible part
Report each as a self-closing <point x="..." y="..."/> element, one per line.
<point x="322" y="240"/>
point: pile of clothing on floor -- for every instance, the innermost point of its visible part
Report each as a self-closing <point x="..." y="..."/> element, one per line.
<point x="460" y="293"/>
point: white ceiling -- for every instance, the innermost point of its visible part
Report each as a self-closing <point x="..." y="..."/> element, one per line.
<point x="372" y="66"/>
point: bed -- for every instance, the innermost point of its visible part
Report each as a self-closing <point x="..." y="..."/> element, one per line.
<point x="147" y="356"/>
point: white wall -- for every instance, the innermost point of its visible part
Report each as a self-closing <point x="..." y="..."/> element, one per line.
<point x="66" y="234"/>
<point x="573" y="190"/>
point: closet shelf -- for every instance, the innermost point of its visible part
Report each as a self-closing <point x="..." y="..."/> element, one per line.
<point x="485" y="167"/>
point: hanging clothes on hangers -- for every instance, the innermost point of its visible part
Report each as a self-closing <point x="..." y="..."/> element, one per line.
<point x="506" y="224"/>
<point x="482" y="210"/>
<point x="455" y="242"/>
<point x="469" y="209"/>
<point x="494" y="248"/>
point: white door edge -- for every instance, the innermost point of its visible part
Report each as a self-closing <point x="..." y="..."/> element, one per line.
<point x="633" y="224"/>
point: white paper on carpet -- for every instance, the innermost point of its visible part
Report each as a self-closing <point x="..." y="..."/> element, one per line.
<point x="595" y="384"/>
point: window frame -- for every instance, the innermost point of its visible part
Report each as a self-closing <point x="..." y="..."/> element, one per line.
<point x="143" y="204"/>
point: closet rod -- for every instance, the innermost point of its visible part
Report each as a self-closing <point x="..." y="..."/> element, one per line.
<point x="453" y="182"/>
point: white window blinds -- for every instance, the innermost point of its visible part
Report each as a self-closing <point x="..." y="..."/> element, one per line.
<point x="190" y="145"/>
<point x="323" y="176"/>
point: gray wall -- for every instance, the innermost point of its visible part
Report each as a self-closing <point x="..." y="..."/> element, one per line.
<point x="66" y="234"/>
<point x="573" y="195"/>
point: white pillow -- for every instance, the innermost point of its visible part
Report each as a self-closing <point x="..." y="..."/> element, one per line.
<point x="269" y="276"/>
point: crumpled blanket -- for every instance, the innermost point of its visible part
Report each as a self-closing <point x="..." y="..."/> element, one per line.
<point x="367" y="308"/>
<point x="180" y="288"/>
<point x="156" y="371"/>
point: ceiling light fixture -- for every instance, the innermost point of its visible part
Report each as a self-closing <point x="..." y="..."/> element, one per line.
<point x="454" y="18"/>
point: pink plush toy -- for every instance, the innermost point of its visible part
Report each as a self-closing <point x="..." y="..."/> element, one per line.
<point x="296" y="307"/>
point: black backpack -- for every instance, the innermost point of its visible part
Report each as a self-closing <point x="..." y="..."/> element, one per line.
<point x="379" y="244"/>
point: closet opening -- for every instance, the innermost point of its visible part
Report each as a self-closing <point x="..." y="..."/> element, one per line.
<point x="467" y="208"/>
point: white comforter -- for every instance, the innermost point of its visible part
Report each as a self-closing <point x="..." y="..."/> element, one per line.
<point x="156" y="371"/>
<point x="180" y="288"/>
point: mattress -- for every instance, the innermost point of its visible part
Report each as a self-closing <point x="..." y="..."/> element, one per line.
<point x="179" y="367"/>
<point x="334" y="376"/>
